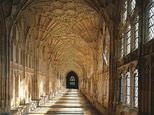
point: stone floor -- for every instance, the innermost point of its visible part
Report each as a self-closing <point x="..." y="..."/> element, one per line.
<point x="70" y="102"/>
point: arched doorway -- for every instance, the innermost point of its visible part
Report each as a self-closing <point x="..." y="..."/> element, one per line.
<point x="72" y="80"/>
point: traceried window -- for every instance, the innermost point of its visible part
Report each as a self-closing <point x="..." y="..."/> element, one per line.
<point x="122" y="46"/>
<point x="128" y="87"/>
<point x="72" y="80"/>
<point x="130" y="36"/>
<point x="135" y="35"/>
<point x="121" y="88"/>
<point x="128" y="40"/>
<point x="128" y="8"/>
<point x="151" y="21"/>
<point x="132" y="5"/>
<point x="125" y="10"/>
<point x="136" y="32"/>
<point x="136" y="88"/>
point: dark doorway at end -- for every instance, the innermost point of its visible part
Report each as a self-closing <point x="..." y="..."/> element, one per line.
<point x="72" y="80"/>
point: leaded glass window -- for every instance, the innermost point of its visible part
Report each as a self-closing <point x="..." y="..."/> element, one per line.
<point x="72" y="80"/>
<point x="122" y="46"/>
<point x="128" y="87"/>
<point x="136" y="88"/>
<point x="151" y="22"/>
<point x="128" y="40"/>
<point x="133" y="3"/>
<point x="121" y="88"/>
<point x="136" y="33"/>
<point x="124" y="11"/>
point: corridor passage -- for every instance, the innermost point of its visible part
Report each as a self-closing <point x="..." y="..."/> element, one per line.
<point x="70" y="102"/>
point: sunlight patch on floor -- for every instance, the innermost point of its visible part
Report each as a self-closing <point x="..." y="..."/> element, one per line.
<point x="68" y="103"/>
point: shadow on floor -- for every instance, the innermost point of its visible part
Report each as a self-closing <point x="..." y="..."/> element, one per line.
<point x="71" y="102"/>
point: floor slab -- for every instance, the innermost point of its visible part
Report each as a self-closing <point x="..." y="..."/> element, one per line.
<point x="70" y="102"/>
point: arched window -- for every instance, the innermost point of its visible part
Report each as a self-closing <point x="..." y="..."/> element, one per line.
<point x="122" y="46"/>
<point x="136" y="88"/>
<point x="128" y="9"/>
<point x="128" y="87"/>
<point x="150" y="22"/>
<point x="72" y="80"/>
<point x="129" y="30"/>
<point x="125" y="11"/>
<point x="122" y="88"/>
<point x="132" y="5"/>
<point x="136" y="32"/>
<point x="128" y="40"/>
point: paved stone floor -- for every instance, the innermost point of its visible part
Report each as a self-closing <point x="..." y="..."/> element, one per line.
<point x="70" y="102"/>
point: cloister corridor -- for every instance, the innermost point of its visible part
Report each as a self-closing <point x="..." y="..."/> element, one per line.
<point x="76" y="57"/>
<point x="69" y="102"/>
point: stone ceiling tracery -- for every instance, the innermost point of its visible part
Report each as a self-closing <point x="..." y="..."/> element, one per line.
<point x="65" y="32"/>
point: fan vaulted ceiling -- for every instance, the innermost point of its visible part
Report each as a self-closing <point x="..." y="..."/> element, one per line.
<point x="64" y="31"/>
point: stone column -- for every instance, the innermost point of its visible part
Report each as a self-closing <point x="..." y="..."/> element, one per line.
<point x="4" y="66"/>
<point x="35" y="95"/>
<point x="144" y="62"/>
<point x="144" y="88"/>
<point x="113" y="78"/>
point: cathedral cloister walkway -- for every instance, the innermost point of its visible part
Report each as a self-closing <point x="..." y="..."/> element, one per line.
<point x="69" y="102"/>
